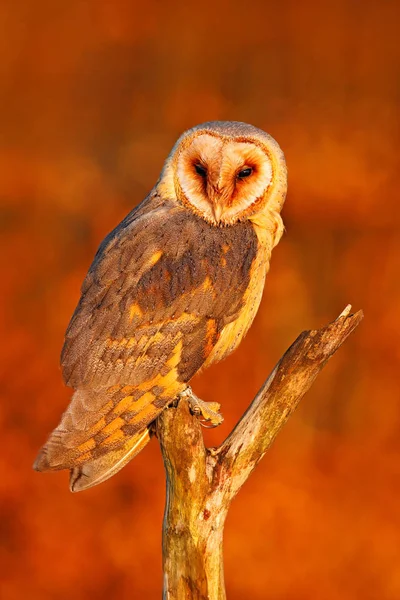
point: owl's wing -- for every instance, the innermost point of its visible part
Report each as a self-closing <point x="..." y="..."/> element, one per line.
<point x="153" y="306"/>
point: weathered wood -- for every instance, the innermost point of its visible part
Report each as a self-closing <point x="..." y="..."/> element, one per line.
<point x="202" y="482"/>
<point x="194" y="517"/>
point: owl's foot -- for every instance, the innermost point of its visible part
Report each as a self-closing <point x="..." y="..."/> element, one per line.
<point x="208" y="412"/>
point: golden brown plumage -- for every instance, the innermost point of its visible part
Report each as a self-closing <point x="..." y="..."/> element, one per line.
<point x="172" y="289"/>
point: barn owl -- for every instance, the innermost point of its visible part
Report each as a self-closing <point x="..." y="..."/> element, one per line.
<point x="172" y="289"/>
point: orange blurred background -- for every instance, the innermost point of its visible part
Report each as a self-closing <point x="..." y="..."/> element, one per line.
<point x="93" y="95"/>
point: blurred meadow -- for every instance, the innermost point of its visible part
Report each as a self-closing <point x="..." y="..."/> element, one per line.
<point x="93" y="95"/>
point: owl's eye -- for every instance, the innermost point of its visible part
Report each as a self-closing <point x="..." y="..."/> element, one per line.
<point x="200" y="170"/>
<point x="245" y="173"/>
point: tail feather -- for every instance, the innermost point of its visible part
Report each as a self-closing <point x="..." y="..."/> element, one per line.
<point x="98" y="436"/>
<point x="102" y="468"/>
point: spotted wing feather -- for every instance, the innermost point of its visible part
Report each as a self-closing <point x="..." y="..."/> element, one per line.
<point x="159" y="293"/>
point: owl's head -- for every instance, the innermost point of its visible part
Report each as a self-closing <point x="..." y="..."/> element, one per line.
<point x="226" y="172"/>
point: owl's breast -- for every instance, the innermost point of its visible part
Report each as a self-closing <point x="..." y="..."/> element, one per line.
<point x="233" y="333"/>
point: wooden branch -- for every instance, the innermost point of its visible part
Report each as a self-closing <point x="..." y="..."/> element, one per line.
<point x="193" y="522"/>
<point x="202" y="482"/>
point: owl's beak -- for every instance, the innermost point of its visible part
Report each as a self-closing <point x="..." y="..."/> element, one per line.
<point x="218" y="202"/>
<point x="217" y="209"/>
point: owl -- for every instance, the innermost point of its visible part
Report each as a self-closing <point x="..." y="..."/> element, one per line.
<point x="172" y="289"/>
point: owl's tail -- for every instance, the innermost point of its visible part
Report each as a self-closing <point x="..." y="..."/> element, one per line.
<point x="100" y="432"/>
<point x="100" y="469"/>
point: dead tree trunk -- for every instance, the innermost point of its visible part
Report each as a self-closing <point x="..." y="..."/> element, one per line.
<point x="202" y="482"/>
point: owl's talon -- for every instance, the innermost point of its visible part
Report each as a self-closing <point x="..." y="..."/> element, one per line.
<point x="208" y="412"/>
